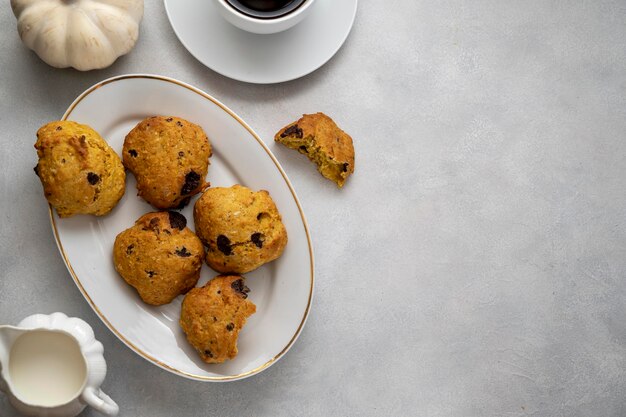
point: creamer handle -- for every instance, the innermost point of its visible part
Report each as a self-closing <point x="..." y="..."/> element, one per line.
<point x="100" y="401"/>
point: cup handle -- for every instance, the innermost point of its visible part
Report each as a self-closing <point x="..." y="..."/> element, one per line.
<point x="100" y="401"/>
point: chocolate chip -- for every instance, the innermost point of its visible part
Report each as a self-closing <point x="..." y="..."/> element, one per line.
<point x="230" y="327"/>
<point x="169" y="119"/>
<point x="59" y="128"/>
<point x="208" y="353"/>
<point x="179" y="124"/>
<point x="257" y="239"/>
<point x="214" y="318"/>
<point x="36" y="169"/>
<point x="133" y="153"/>
<point x="192" y="181"/>
<point x="345" y="167"/>
<point x="150" y="274"/>
<point x="153" y="225"/>
<point x="303" y="148"/>
<point x="183" y="252"/>
<point x="181" y="154"/>
<point x="223" y="244"/>
<point x="183" y="203"/>
<point x="93" y="178"/>
<point x="129" y="249"/>
<point x="292" y="130"/>
<point x="177" y="220"/>
<point x="239" y="286"/>
<point x="63" y="160"/>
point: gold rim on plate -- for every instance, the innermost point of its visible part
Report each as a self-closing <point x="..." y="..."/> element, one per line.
<point x="273" y="158"/>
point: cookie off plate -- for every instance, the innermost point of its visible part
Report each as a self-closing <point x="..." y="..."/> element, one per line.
<point x="282" y="290"/>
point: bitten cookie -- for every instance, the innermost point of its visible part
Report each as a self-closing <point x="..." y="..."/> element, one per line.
<point x="79" y="171"/>
<point x="169" y="157"/>
<point x="241" y="228"/>
<point x="213" y="315"/>
<point x="318" y="137"/>
<point x="159" y="256"/>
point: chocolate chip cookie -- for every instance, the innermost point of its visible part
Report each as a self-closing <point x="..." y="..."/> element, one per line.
<point x="79" y="171"/>
<point x="159" y="256"/>
<point x="241" y="228"/>
<point x="169" y="157"/>
<point x="323" y="142"/>
<point x="213" y="316"/>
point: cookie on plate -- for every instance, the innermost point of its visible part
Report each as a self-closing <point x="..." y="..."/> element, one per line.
<point x="213" y="315"/>
<point x="241" y="228"/>
<point x="169" y="157"/>
<point x="323" y="142"/>
<point x="159" y="256"/>
<point x="79" y="171"/>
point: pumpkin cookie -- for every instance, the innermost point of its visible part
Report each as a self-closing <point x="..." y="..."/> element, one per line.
<point x="79" y="171"/>
<point x="323" y="142"/>
<point x="241" y="228"/>
<point x="213" y="315"/>
<point x="170" y="158"/>
<point x="159" y="256"/>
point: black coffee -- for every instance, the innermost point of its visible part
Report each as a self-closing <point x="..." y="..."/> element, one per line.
<point x="265" y="9"/>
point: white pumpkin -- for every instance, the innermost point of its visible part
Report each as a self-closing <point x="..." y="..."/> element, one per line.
<point x="84" y="34"/>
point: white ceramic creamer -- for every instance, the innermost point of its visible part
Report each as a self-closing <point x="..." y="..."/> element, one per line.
<point x="52" y="366"/>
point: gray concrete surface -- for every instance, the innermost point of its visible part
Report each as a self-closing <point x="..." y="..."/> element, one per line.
<point x="474" y="265"/>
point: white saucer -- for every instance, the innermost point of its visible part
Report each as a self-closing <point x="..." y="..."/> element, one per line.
<point x="261" y="59"/>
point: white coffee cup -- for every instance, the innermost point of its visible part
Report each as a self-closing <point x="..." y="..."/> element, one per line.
<point x="262" y="25"/>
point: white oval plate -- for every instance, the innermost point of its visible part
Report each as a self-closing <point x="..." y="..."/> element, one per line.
<point x="261" y="59"/>
<point x="282" y="290"/>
